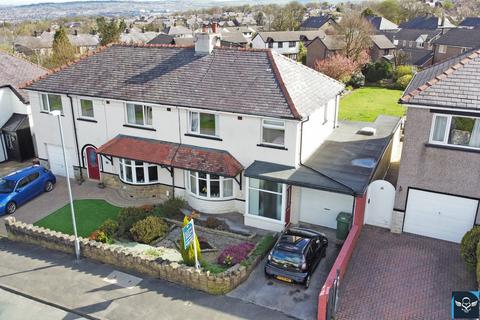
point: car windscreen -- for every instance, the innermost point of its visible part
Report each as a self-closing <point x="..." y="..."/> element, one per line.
<point x="6" y="186"/>
<point x="286" y="257"/>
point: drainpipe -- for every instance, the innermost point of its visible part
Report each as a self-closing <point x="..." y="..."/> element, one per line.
<point x="76" y="138"/>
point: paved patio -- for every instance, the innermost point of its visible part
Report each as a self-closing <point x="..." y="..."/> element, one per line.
<point x="402" y="276"/>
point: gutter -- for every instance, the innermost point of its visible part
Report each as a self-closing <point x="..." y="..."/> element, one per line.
<point x="76" y="137"/>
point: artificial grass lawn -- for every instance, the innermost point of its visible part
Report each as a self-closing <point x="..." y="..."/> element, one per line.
<point x="366" y="104"/>
<point x="90" y="214"/>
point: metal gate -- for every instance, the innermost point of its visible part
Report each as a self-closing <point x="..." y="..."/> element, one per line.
<point x="332" y="305"/>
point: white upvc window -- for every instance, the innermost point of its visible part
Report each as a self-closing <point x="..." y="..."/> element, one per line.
<point x="139" y="115"/>
<point x="460" y="131"/>
<point x="51" y="102"/>
<point x="265" y="199"/>
<point x="203" y="123"/>
<point x="273" y="132"/>
<point x="210" y="186"/>
<point x="442" y="49"/>
<point x="86" y="108"/>
<point x="138" y="172"/>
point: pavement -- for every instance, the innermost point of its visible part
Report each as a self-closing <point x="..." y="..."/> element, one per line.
<point x="290" y="299"/>
<point x="402" y="276"/>
<point x="57" y="278"/>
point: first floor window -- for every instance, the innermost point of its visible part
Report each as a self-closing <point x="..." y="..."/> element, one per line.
<point x="280" y="45"/>
<point x="203" y="123"/>
<point x="138" y="172"/>
<point x="51" y="102"/>
<point x="265" y="198"/>
<point x="86" y="108"/>
<point x="270" y="44"/>
<point x="456" y="130"/>
<point x="138" y="114"/>
<point x="273" y="132"/>
<point x="292" y="44"/>
<point x="210" y="185"/>
<point x="442" y="49"/>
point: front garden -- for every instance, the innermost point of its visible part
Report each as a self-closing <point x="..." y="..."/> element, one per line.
<point x="155" y="232"/>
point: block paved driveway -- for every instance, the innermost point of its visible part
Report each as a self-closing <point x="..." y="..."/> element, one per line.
<point x="402" y="276"/>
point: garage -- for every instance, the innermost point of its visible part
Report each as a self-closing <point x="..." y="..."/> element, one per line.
<point x="56" y="162"/>
<point x="322" y="207"/>
<point x="438" y="215"/>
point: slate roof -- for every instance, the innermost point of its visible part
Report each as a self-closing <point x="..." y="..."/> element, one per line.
<point x="472" y="22"/>
<point x="234" y="37"/>
<point x="316" y="22"/>
<point x="414" y="34"/>
<point x="170" y="154"/>
<point x="467" y="38"/>
<point x="177" y="30"/>
<point x="382" y="42"/>
<point x="426" y="22"/>
<point x="417" y="56"/>
<point x="291" y="35"/>
<point x="257" y="82"/>
<point x="381" y="23"/>
<point x="453" y="83"/>
<point x="346" y="162"/>
<point x="15" y="72"/>
<point x="137" y="37"/>
<point x="336" y="42"/>
<point x="162" y="39"/>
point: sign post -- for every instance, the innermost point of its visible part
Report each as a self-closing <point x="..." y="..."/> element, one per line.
<point x="189" y="236"/>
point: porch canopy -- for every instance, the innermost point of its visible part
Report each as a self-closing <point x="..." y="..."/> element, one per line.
<point x="346" y="162"/>
<point x="168" y="154"/>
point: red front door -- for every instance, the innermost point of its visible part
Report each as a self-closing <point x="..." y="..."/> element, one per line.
<point x="92" y="163"/>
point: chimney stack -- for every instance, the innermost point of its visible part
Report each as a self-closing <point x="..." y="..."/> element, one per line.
<point x="206" y="41"/>
<point x="214" y="27"/>
<point x="75" y="32"/>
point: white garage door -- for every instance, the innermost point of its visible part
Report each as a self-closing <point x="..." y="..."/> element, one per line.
<point x="322" y="207"/>
<point x="55" y="159"/>
<point x="439" y="216"/>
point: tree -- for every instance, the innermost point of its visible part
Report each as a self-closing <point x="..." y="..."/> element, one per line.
<point x="340" y="67"/>
<point x="109" y="31"/>
<point x="260" y="18"/>
<point x="391" y="10"/>
<point x="302" y="53"/>
<point x="357" y="34"/>
<point x="368" y="12"/>
<point x="289" y="17"/>
<point x="63" y="51"/>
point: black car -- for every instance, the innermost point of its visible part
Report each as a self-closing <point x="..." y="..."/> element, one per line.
<point x="295" y="256"/>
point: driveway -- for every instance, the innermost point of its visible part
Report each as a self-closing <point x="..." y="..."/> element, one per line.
<point x="402" y="276"/>
<point x="293" y="300"/>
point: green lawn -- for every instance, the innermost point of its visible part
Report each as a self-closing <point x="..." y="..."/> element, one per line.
<point x="365" y="104"/>
<point x="90" y="214"/>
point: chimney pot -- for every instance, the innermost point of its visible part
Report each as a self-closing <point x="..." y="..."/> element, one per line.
<point x="214" y="27"/>
<point x="76" y="32"/>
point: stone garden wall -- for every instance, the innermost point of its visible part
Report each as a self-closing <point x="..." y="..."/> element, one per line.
<point x="127" y="259"/>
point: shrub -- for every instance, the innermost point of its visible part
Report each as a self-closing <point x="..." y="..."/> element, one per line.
<point x="234" y="254"/>
<point x="127" y="218"/>
<point x="468" y="246"/>
<point x="264" y="246"/>
<point x="377" y="71"/>
<point x="213" y="223"/>
<point x="403" y="81"/>
<point x="171" y="207"/>
<point x="188" y="255"/>
<point x="100" y="236"/>
<point x="149" y="229"/>
<point x="213" y="267"/>
<point x="401" y="71"/>
<point x="357" y="80"/>
<point x="109" y="227"/>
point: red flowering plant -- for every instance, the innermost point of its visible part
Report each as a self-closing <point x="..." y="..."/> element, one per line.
<point x="234" y="254"/>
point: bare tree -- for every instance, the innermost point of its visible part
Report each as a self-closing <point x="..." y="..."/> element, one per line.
<point x="357" y="33"/>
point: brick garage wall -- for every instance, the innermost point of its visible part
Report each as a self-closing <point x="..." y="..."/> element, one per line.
<point x="127" y="259"/>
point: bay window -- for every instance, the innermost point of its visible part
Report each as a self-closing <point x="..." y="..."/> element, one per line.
<point x="139" y="115"/>
<point x="203" y="123"/>
<point x="265" y="198"/>
<point x="273" y="132"/>
<point x="462" y="131"/>
<point x="138" y="172"/>
<point x="51" y="102"/>
<point x="210" y="185"/>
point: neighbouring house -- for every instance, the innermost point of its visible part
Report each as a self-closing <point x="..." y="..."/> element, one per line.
<point x="229" y="130"/>
<point x="455" y="42"/>
<point x="438" y="189"/>
<point x="416" y="38"/>
<point x="418" y="57"/>
<point x="323" y="47"/>
<point x="135" y="35"/>
<point x="382" y="24"/>
<point x="166" y="39"/>
<point x="16" y="125"/>
<point x="285" y="42"/>
<point x="234" y="39"/>
<point x="247" y="31"/>
<point x="178" y="31"/>
<point x="470" y="23"/>
<point x="427" y="22"/>
<point x="324" y="22"/>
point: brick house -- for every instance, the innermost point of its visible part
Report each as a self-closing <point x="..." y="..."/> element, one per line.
<point x="454" y="43"/>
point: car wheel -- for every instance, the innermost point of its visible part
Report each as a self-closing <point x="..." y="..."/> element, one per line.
<point x="307" y="282"/>
<point x="11" y="207"/>
<point x="48" y="186"/>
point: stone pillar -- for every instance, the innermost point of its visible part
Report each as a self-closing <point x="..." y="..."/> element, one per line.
<point x="397" y="221"/>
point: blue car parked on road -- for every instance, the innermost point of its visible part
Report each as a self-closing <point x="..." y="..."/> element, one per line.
<point x="24" y="185"/>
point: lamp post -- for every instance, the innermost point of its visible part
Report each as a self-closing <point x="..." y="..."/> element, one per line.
<point x="58" y="114"/>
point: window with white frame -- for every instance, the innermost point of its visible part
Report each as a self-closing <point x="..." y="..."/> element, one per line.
<point x="210" y="186"/>
<point x="138" y="172"/>
<point x="462" y="131"/>
<point x="273" y="132"/>
<point x="442" y="49"/>
<point x="265" y="198"/>
<point x="51" y="102"/>
<point x="139" y="115"/>
<point x="292" y="44"/>
<point x="203" y="123"/>
<point x="280" y="44"/>
<point x="86" y="108"/>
